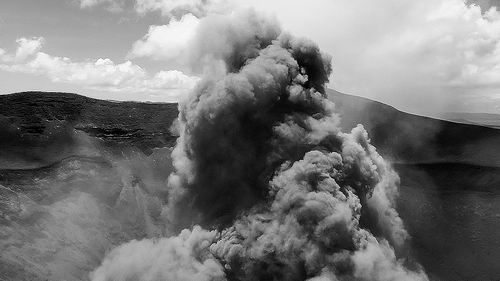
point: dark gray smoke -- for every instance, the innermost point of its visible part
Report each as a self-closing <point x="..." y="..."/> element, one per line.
<point x="261" y="163"/>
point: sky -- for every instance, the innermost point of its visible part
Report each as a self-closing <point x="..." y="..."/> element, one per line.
<point x="426" y="57"/>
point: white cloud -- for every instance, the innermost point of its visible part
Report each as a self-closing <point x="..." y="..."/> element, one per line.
<point x="193" y="44"/>
<point x="177" y="8"/>
<point x="422" y="56"/>
<point x="167" y="8"/>
<point x="91" y="3"/>
<point x="110" y="5"/>
<point x="171" y="79"/>
<point x="100" y="74"/>
<point x="26" y="47"/>
<point x="166" y="42"/>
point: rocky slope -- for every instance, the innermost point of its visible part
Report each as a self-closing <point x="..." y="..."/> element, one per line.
<point x="79" y="175"/>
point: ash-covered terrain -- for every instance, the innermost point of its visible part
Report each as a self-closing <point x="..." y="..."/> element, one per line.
<point x="80" y="176"/>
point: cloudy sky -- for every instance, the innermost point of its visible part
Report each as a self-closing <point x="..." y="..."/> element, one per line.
<point x="425" y="56"/>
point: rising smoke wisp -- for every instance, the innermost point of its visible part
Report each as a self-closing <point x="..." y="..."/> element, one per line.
<point x="275" y="190"/>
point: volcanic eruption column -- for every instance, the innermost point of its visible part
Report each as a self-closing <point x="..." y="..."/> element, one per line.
<point x="275" y="190"/>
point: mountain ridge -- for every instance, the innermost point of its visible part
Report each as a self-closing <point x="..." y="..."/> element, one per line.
<point x="64" y="157"/>
<point x="51" y="119"/>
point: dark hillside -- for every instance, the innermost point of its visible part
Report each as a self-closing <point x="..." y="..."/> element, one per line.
<point x="411" y="138"/>
<point x="44" y="127"/>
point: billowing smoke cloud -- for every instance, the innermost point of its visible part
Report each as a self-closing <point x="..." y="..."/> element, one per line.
<point x="262" y="164"/>
<point x="182" y="258"/>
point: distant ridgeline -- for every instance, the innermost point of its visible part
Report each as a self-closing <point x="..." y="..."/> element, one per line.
<point x="44" y="125"/>
<point x="410" y="138"/>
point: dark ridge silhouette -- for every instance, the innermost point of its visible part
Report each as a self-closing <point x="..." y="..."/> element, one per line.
<point x="41" y="127"/>
<point x="410" y="138"/>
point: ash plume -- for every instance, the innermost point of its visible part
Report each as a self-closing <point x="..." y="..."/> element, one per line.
<point x="275" y="189"/>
